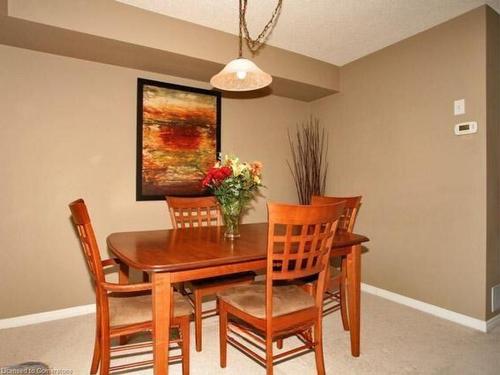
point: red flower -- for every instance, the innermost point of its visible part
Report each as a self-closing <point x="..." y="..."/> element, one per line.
<point x="216" y="175"/>
<point x="222" y="173"/>
<point x="206" y="180"/>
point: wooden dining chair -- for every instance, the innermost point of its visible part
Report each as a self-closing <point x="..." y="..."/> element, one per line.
<point x="198" y="212"/>
<point x="299" y="243"/>
<point x="335" y="293"/>
<point x="124" y="309"/>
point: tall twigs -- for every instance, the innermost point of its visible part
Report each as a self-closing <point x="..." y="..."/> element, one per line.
<point x="309" y="164"/>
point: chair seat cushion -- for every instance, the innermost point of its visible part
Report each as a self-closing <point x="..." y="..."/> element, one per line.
<point x="251" y="299"/>
<point x="221" y="281"/>
<point x="129" y="309"/>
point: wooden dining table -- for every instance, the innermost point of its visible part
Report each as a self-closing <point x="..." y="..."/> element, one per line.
<point x="172" y="256"/>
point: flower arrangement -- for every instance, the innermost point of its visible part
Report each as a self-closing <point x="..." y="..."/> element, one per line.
<point x="234" y="184"/>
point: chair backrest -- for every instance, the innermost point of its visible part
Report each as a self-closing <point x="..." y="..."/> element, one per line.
<point x="81" y="219"/>
<point x="187" y="212"/>
<point x="299" y="243"/>
<point x="348" y="218"/>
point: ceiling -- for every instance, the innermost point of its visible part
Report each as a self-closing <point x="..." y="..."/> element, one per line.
<point x="335" y="31"/>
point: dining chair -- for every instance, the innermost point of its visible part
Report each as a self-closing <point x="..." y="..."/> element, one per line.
<point x="335" y="293"/>
<point x="256" y="315"/>
<point x="192" y="212"/>
<point x="124" y="309"/>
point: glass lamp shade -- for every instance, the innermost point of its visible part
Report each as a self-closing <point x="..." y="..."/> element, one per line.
<point x="241" y="75"/>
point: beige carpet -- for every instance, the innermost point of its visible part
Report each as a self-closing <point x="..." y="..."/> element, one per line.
<point x="395" y="340"/>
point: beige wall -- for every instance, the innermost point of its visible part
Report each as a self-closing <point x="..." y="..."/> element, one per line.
<point x="493" y="151"/>
<point x="424" y="188"/>
<point x="68" y="131"/>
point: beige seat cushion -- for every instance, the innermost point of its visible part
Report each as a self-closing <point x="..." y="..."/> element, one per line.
<point x="252" y="299"/>
<point x="221" y="280"/>
<point x="126" y="309"/>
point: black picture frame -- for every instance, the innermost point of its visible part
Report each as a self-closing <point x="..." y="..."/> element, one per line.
<point x="145" y="189"/>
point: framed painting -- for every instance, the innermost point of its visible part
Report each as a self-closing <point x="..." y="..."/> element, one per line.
<point x="178" y="138"/>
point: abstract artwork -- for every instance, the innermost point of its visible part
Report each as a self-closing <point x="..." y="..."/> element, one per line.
<point x="178" y="138"/>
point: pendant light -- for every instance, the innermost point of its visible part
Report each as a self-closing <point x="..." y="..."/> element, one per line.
<point x="243" y="74"/>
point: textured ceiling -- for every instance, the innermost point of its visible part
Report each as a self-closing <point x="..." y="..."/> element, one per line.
<point x="335" y="31"/>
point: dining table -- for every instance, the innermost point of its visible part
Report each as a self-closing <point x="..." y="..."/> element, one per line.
<point x="177" y="255"/>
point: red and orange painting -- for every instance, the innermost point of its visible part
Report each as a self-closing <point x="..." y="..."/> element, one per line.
<point x="178" y="136"/>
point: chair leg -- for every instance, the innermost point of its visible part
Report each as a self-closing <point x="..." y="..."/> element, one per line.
<point x="318" y="348"/>
<point x="105" y="354"/>
<point x="279" y="343"/>
<point x="96" y="358"/>
<point x="223" y="335"/>
<point x="343" y="295"/>
<point x="269" y="354"/>
<point x="197" y="318"/>
<point x="184" y="327"/>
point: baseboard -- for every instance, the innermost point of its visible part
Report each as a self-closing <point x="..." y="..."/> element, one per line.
<point x="480" y="325"/>
<point x="47" y="316"/>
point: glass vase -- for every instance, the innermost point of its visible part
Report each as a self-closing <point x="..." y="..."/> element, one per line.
<point x="231" y="214"/>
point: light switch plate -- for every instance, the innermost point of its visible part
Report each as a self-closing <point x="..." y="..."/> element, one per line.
<point x="459" y="107"/>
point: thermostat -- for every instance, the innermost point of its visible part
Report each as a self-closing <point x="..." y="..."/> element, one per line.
<point x="466" y="128"/>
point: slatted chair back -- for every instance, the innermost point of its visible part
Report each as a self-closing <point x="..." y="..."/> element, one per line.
<point x="81" y="219"/>
<point x="187" y="212"/>
<point x="348" y="218"/>
<point x="299" y="243"/>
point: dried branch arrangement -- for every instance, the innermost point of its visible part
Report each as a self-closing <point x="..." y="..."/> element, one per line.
<point x="309" y="164"/>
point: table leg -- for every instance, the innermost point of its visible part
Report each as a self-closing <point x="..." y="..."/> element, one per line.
<point x="162" y="299"/>
<point x="123" y="274"/>
<point x="123" y="278"/>
<point x="354" y="296"/>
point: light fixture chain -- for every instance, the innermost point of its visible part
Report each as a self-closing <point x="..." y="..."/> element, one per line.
<point x="255" y="44"/>
<point x="240" y="51"/>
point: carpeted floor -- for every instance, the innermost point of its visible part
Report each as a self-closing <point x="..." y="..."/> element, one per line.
<point x="395" y="340"/>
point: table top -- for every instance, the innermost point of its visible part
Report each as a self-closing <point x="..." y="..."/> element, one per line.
<point x="183" y="249"/>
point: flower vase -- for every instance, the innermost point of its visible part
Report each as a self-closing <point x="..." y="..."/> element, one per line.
<point x="231" y="214"/>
